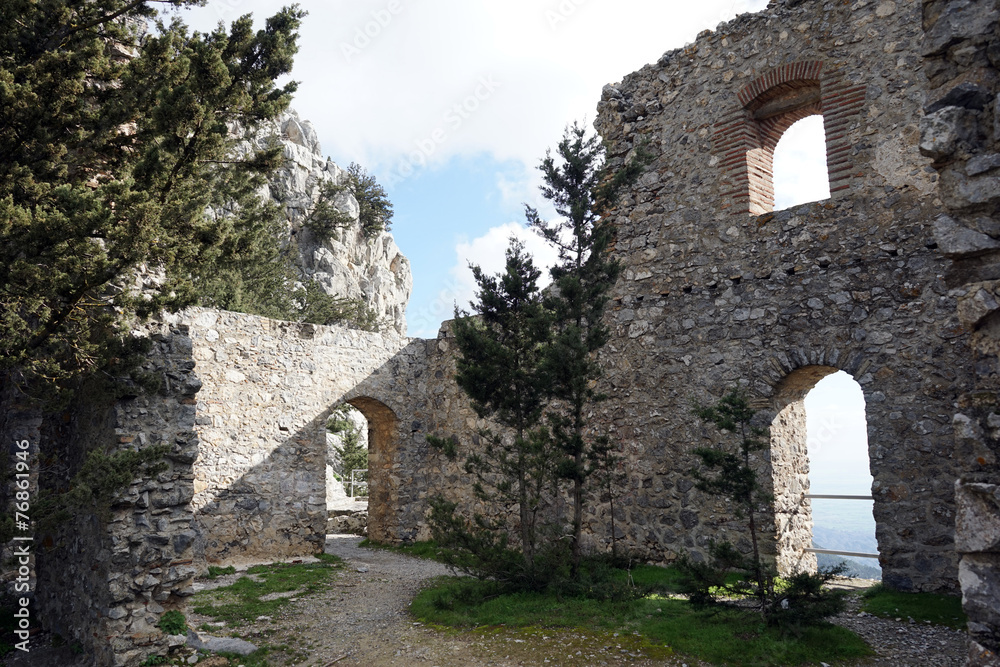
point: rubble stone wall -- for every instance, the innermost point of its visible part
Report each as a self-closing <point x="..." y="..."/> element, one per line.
<point x="894" y="279"/>
<point x="104" y="581"/>
<point x="961" y="133"/>
<point x="716" y="288"/>
<point x="269" y="386"/>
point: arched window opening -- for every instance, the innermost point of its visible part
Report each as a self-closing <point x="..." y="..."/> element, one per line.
<point x="346" y="459"/>
<point x="819" y="447"/>
<point x="799" y="164"/>
<point x="839" y="466"/>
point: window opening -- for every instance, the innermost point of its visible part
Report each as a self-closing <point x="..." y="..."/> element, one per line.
<point x="799" y="164"/>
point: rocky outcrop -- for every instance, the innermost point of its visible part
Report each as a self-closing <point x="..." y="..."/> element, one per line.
<point x="349" y="265"/>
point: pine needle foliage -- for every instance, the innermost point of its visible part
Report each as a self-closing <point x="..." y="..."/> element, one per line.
<point x="350" y="453"/>
<point x="729" y="576"/>
<point x="500" y="370"/>
<point x="528" y="362"/>
<point x="374" y="207"/>
<point x="114" y="144"/>
<point x="582" y="189"/>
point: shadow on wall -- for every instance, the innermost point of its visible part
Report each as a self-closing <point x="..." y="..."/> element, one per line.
<point x="275" y="509"/>
<point x="276" y="505"/>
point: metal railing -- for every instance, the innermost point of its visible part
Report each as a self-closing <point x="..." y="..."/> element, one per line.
<point x="835" y="552"/>
<point x="359" y="481"/>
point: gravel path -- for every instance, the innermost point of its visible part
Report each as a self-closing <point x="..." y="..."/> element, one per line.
<point x="364" y="622"/>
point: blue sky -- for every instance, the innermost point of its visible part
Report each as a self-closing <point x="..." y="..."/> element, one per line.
<point x="452" y="103"/>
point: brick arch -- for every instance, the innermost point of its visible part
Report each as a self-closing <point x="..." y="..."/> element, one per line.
<point x="745" y="138"/>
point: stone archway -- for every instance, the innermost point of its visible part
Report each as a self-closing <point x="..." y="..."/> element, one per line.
<point x="383" y="483"/>
<point x="790" y="469"/>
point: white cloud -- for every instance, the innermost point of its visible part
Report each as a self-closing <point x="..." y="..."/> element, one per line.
<point x="378" y="77"/>
<point x="488" y="252"/>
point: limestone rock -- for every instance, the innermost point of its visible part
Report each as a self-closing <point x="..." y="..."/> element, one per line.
<point x="978" y="517"/>
<point x="944" y="131"/>
<point x="349" y="265"/>
<point x="955" y="240"/>
<point x="202" y="641"/>
<point x="959" y="20"/>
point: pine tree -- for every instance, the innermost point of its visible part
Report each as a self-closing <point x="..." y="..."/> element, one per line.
<point x="502" y="348"/>
<point x="351" y="454"/>
<point x="581" y="189"/>
<point x="803" y="598"/>
<point x="113" y="144"/>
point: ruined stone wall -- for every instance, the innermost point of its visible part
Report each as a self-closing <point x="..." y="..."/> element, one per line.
<point x="716" y="289"/>
<point x="418" y="384"/>
<point x="260" y="477"/>
<point x="961" y="133"/>
<point x="104" y="581"/>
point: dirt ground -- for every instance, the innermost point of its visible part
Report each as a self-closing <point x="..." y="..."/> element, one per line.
<point x="362" y="620"/>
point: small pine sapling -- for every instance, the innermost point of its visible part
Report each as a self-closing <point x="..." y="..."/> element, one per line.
<point x="730" y="576"/>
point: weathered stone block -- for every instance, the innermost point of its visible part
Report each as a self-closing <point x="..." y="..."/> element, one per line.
<point x="980" y="578"/>
<point x="959" y="191"/>
<point x="977" y="303"/>
<point x="980" y="656"/>
<point x="959" y="20"/>
<point x="945" y="130"/>
<point x="978" y="518"/>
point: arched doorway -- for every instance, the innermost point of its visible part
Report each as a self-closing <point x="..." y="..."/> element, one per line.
<point x="791" y="473"/>
<point x="383" y="485"/>
<point x="840" y="479"/>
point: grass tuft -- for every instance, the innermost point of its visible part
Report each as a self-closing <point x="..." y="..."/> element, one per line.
<point x="214" y="571"/>
<point x="241" y="602"/>
<point x="881" y="600"/>
<point x="663" y="624"/>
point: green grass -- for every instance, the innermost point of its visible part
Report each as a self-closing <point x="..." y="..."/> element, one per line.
<point x="173" y="623"/>
<point x="940" y="609"/>
<point x="214" y="571"/>
<point x="720" y="637"/>
<point x="240" y="602"/>
<point x="428" y="549"/>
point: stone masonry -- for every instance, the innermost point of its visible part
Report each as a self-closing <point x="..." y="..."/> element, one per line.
<point x="961" y="133"/>
<point x="260" y="478"/>
<point x="104" y="581"/>
<point x="890" y="280"/>
<point x="718" y="289"/>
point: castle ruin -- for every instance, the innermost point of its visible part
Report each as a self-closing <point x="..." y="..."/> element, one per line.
<point x="893" y="279"/>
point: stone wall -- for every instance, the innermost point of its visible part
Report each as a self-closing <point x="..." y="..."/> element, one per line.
<point x="260" y="477"/>
<point x="269" y="386"/>
<point x="104" y="581"/>
<point x="961" y="133"/>
<point x="890" y="280"/>
<point x="716" y="288"/>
